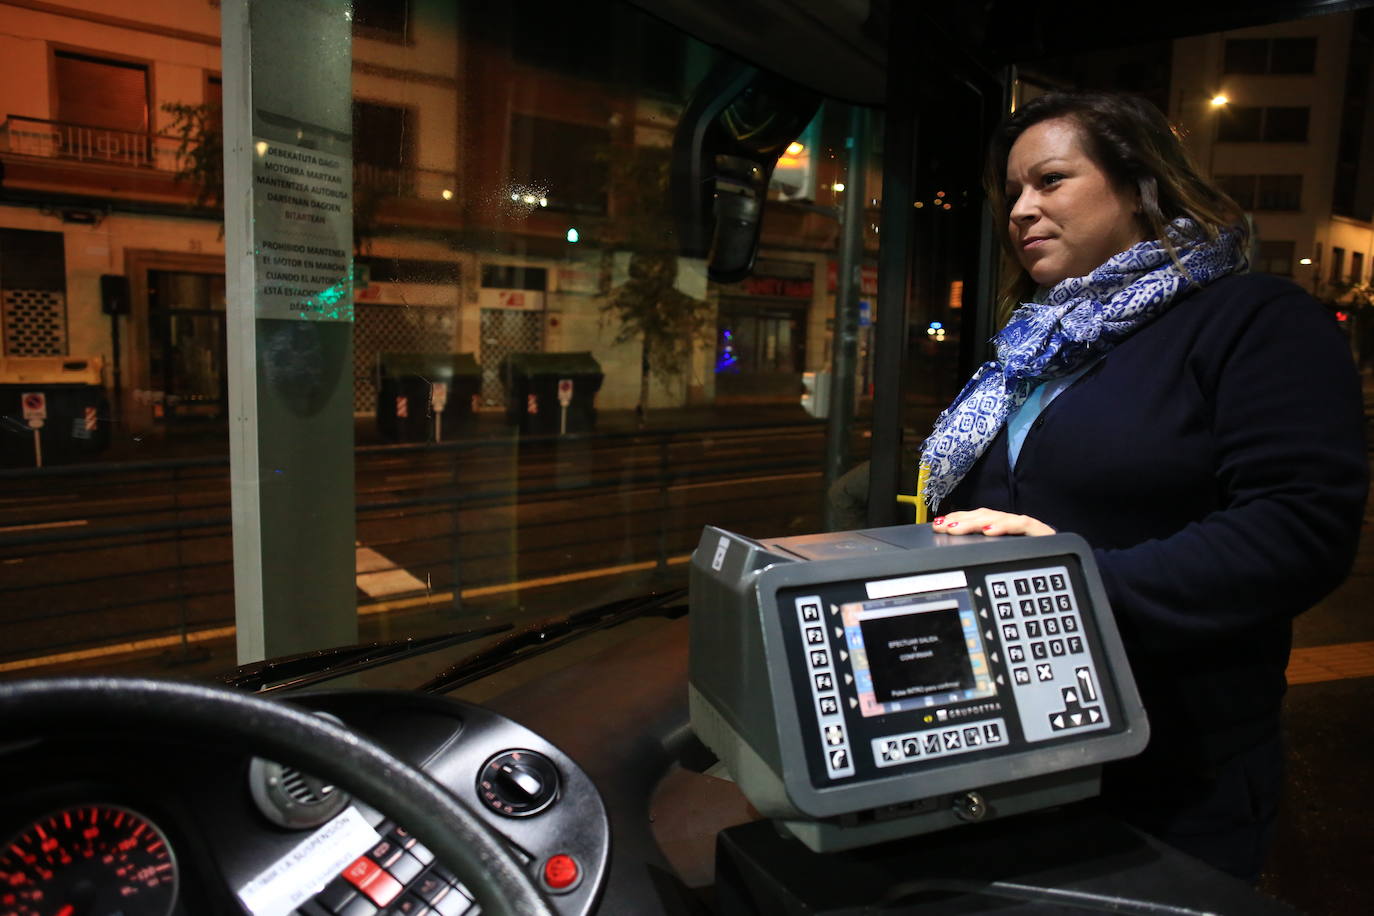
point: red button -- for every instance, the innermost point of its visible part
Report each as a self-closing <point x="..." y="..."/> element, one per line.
<point x="560" y="872"/>
<point x="368" y="877"/>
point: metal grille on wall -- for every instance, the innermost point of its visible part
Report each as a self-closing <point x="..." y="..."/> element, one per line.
<point x="505" y="332"/>
<point x="35" y="322"/>
<point x="379" y="329"/>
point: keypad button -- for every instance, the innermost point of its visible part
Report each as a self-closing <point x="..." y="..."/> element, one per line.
<point x="1023" y="586"/>
<point x="829" y="706"/>
<point x="814" y="636"/>
<point x="358" y="906"/>
<point x="1070" y="623"/>
<point x="820" y="658"/>
<point x="972" y="737"/>
<point x="1027" y="607"/>
<point x="385" y="852"/>
<point x="409" y="906"/>
<point x="1010" y="632"/>
<point x="1032" y="629"/>
<point x="811" y="612"/>
<point x="1063" y="602"/>
<point x="1046" y="604"/>
<point x="999" y="589"/>
<point x="1021" y="675"/>
<point x="1044" y="672"/>
<point x="1016" y="654"/>
<point x="1075" y="644"/>
<point x="430" y="887"/>
<point x="1057" y="582"/>
<point x="454" y="904"/>
<point x="406" y="868"/>
<point x="1004" y="610"/>
<point x="1056" y="647"/>
<point x="336" y="893"/>
<point x="1041" y="584"/>
<point x="1051" y="627"/>
<point x="1038" y="650"/>
<point x="992" y="733"/>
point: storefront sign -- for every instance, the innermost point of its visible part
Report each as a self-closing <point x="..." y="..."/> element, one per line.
<point x="868" y="278"/>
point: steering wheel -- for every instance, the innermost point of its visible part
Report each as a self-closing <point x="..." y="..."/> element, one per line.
<point x="457" y="836"/>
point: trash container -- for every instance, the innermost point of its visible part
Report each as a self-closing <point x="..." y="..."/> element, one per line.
<point x="426" y="397"/>
<point x="551" y="393"/>
<point x="62" y="399"/>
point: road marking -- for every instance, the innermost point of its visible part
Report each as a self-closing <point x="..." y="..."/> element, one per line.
<point x="166" y="642"/>
<point x="1331" y="663"/>
<point x="74" y="523"/>
<point x="738" y="480"/>
<point x="125" y="648"/>
<point x="378" y="576"/>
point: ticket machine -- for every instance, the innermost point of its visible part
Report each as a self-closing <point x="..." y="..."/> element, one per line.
<point x="869" y="685"/>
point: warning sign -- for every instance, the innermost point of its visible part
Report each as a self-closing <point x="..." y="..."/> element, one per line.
<point x="565" y="391"/>
<point x="438" y="396"/>
<point x="35" y="405"/>
<point x="303" y="232"/>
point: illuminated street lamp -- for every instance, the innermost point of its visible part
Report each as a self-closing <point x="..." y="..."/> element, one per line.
<point x="1218" y="102"/>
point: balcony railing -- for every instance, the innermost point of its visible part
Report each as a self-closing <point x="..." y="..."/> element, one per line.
<point x="409" y="183"/>
<point x="85" y="143"/>
<point x="160" y="152"/>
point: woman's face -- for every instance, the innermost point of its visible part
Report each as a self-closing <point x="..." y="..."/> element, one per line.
<point x="1066" y="216"/>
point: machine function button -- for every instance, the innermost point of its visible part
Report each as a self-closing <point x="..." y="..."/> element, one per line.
<point x="406" y="868"/>
<point x="453" y="904"/>
<point x="358" y="906"/>
<point x="368" y="877"/>
<point x="385" y="852"/>
<point x="561" y="872"/>
<point x="518" y="783"/>
<point x="409" y="905"/>
<point x="335" y="894"/>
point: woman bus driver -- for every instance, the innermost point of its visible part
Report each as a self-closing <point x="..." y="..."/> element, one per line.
<point x="1200" y="426"/>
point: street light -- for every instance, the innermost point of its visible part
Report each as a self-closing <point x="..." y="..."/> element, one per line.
<point x="1218" y="102"/>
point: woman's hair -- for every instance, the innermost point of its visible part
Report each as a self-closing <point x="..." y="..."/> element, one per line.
<point x="1130" y="140"/>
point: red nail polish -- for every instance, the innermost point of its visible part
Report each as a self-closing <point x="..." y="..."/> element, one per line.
<point x="940" y="520"/>
<point x="987" y="527"/>
<point x="952" y="525"/>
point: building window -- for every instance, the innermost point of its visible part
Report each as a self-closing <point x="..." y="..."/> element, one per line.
<point x="1253" y="124"/>
<point x="1275" y="258"/>
<point x="383" y="142"/>
<point x="1337" y="263"/>
<point x="1357" y="267"/>
<point x="1271" y="55"/>
<point x="1264" y="192"/>
<point x="566" y="163"/>
<point x="388" y="20"/>
<point x="514" y="276"/>
<point x="94" y="92"/>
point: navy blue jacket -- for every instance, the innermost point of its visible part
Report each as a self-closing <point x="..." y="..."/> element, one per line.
<point x="1215" y="460"/>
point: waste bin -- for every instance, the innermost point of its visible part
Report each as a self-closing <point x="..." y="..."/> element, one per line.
<point x="551" y="393"/>
<point x="425" y="397"/>
<point x="62" y="399"/>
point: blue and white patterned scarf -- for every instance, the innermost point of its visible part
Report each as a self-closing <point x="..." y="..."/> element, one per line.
<point x="1080" y="319"/>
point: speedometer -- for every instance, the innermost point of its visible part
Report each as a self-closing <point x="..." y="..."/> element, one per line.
<point x="88" y="861"/>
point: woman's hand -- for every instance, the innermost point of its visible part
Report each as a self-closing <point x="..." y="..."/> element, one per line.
<point x="990" y="522"/>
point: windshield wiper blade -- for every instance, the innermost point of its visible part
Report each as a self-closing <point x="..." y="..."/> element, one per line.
<point x="312" y="667"/>
<point x="544" y="636"/>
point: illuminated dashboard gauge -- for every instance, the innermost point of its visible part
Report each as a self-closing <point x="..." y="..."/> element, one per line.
<point x="88" y="859"/>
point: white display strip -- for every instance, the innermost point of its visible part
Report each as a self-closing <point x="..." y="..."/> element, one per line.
<point x="945" y="741"/>
<point x="819" y="664"/>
